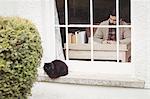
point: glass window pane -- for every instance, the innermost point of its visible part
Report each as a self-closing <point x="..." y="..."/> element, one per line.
<point x="102" y="9"/>
<point x="104" y="44"/>
<point x="79" y="11"/>
<point x="124" y="11"/>
<point x="79" y="49"/>
<point x="125" y="44"/>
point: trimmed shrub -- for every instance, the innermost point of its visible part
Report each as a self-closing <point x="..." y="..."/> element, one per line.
<point x="20" y="55"/>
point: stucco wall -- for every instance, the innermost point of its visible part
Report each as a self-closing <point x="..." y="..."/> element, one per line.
<point x="141" y="30"/>
<point x="38" y="12"/>
<point x="148" y="45"/>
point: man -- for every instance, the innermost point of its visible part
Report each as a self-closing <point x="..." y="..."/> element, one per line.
<point x="108" y="35"/>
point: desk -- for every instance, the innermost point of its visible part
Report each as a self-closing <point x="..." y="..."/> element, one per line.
<point x="101" y="51"/>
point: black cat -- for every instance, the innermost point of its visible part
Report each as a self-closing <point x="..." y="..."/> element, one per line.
<point x="56" y="69"/>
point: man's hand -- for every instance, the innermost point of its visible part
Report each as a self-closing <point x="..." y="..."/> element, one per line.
<point x="109" y="42"/>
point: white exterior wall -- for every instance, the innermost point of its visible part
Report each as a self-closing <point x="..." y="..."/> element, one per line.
<point x="39" y="13"/>
<point x="141" y="14"/>
<point x="148" y="48"/>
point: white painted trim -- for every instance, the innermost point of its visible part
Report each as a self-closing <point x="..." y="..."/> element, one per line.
<point x="91" y="29"/>
<point x="87" y="25"/>
<point x="96" y="79"/>
<point x="117" y="28"/>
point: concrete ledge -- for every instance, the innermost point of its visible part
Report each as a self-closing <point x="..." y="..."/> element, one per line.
<point x="96" y="79"/>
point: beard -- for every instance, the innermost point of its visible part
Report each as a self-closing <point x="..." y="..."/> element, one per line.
<point x="111" y="23"/>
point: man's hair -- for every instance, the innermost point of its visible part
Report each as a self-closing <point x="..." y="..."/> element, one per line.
<point x="113" y="12"/>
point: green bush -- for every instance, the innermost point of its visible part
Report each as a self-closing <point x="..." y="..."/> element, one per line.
<point x="20" y="55"/>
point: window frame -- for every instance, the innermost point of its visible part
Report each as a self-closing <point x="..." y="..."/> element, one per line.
<point x="92" y="66"/>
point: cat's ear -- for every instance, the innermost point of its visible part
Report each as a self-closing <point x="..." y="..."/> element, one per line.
<point x="46" y="66"/>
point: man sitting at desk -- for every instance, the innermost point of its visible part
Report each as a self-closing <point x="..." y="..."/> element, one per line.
<point x="108" y="35"/>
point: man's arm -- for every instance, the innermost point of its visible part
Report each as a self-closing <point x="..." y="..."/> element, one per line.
<point x="98" y="36"/>
<point x="127" y="36"/>
<point x="126" y="33"/>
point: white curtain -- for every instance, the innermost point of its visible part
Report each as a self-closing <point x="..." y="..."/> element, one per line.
<point x="59" y="49"/>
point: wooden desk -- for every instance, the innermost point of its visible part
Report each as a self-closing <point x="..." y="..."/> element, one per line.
<point x="101" y="51"/>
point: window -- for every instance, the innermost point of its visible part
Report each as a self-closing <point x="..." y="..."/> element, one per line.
<point x="95" y="33"/>
<point x="91" y="65"/>
<point x="80" y="22"/>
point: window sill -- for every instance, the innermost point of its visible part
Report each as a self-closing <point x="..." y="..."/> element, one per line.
<point x="95" y="79"/>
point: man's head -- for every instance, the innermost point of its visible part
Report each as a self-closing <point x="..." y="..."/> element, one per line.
<point x="112" y="17"/>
